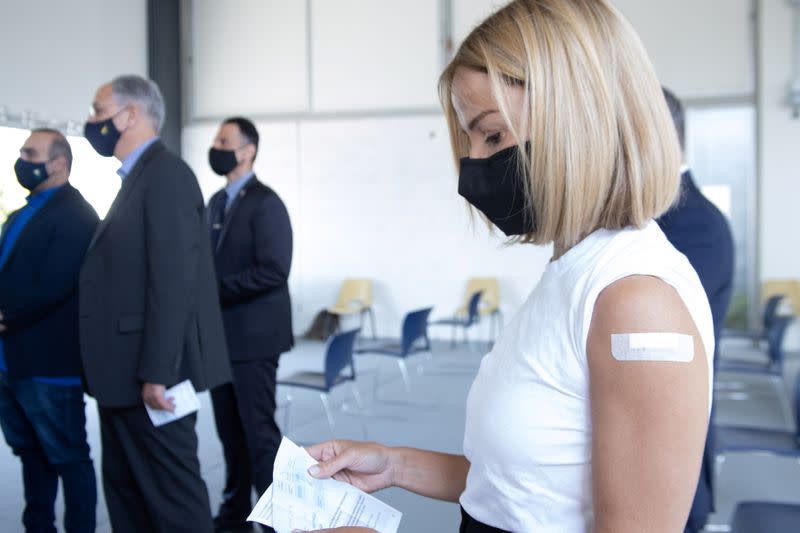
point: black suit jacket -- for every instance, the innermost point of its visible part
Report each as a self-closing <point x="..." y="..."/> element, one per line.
<point x="38" y="288"/>
<point x="149" y="310"/>
<point x="701" y="232"/>
<point x="253" y="257"/>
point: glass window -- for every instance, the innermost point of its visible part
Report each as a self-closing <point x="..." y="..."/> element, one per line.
<point x="721" y="148"/>
<point x="93" y="175"/>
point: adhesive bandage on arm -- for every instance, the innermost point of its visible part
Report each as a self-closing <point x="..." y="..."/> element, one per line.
<point x="674" y="347"/>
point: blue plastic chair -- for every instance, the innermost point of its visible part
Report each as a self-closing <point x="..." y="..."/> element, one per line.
<point x="464" y="322"/>
<point x="413" y="339"/>
<point x="766" y="517"/>
<point x="773" y="364"/>
<point x="338" y="357"/>
<point x="771" y="367"/>
<point x="759" y="347"/>
<point x="770" y="313"/>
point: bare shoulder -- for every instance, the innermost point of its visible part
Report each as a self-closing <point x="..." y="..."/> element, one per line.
<point x="641" y="304"/>
<point x="650" y="306"/>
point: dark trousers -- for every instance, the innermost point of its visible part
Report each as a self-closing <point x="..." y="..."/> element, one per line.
<point x="470" y="525"/>
<point x="151" y="475"/>
<point x="703" y="503"/>
<point x="244" y="412"/>
<point x="45" y="425"/>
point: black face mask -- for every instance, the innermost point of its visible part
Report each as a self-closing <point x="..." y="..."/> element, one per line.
<point x="30" y="175"/>
<point x="103" y="136"/>
<point x="495" y="187"/>
<point x="222" y="161"/>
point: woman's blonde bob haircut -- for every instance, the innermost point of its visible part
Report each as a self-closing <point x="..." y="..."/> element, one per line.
<point x="604" y="152"/>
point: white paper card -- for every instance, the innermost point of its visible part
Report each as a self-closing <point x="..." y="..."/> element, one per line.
<point x="295" y="500"/>
<point x="186" y="403"/>
<point x="262" y="512"/>
<point x="674" y="347"/>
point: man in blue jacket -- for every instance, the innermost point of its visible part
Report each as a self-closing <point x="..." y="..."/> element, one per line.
<point x="42" y="411"/>
<point x="701" y="232"/>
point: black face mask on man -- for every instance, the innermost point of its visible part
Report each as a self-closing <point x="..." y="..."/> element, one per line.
<point x="30" y="175"/>
<point x="496" y="187"/>
<point x="103" y="135"/>
<point x="222" y="161"/>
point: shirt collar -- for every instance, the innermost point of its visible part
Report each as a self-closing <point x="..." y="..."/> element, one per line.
<point x="42" y="196"/>
<point x="232" y="189"/>
<point x="133" y="157"/>
<point x="684" y="168"/>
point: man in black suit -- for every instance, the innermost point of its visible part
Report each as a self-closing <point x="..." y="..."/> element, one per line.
<point x="252" y="240"/>
<point x="149" y="317"/>
<point x="42" y="412"/>
<point x="701" y="232"/>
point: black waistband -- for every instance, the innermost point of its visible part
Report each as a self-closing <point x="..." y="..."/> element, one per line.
<point x="470" y="525"/>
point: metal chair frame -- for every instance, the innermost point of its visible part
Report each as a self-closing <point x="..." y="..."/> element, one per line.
<point x="338" y="356"/>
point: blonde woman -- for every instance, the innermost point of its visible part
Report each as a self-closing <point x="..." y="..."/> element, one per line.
<point x="590" y="412"/>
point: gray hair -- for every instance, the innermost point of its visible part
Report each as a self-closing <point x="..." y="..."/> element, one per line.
<point x="59" y="146"/>
<point x="136" y="89"/>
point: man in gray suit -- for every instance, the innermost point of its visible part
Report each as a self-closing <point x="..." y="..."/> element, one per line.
<point x="149" y="317"/>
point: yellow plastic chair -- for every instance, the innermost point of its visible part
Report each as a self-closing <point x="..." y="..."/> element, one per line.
<point x="788" y="287"/>
<point x="489" y="304"/>
<point x="355" y="297"/>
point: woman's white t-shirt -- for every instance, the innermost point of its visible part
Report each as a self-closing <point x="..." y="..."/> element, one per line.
<point x="528" y="430"/>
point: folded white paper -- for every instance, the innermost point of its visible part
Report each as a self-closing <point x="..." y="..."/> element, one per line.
<point x="186" y="402"/>
<point x="295" y="500"/>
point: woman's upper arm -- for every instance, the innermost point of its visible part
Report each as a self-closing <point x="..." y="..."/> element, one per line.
<point x="649" y="417"/>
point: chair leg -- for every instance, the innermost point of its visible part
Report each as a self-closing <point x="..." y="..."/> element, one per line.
<point x="783" y="398"/>
<point x="719" y="460"/>
<point x="357" y="396"/>
<point x="499" y="321"/>
<point x="376" y="381"/>
<point x="324" y="397"/>
<point x="372" y="323"/>
<point x="404" y="371"/>
<point x="453" y="338"/>
<point x="428" y="351"/>
<point x="360" y="404"/>
<point x="286" y="414"/>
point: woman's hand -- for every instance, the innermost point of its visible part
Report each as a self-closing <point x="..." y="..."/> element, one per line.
<point x="365" y="465"/>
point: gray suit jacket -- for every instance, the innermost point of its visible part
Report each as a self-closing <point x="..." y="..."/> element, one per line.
<point x="149" y="309"/>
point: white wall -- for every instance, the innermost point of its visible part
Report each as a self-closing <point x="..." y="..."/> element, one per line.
<point x="56" y="54"/>
<point x="248" y="56"/>
<point x="355" y="39"/>
<point x="253" y="56"/>
<point x="780" y="146"/>
<point x="700" y="48"/>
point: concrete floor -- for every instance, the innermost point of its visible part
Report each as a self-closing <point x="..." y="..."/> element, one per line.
<point x="433" y="418"/>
